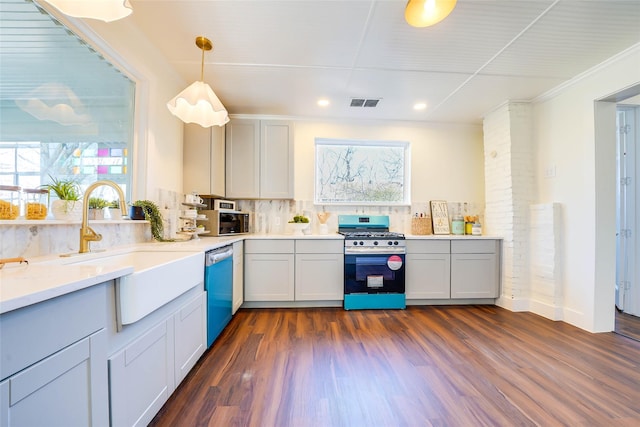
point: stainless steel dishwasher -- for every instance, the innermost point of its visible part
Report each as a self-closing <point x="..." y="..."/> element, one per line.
<point x="218" y="283"/>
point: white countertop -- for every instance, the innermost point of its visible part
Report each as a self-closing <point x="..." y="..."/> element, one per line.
<point x="48" y="277"/>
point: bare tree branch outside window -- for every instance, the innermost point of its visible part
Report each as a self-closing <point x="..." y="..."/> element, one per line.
<point x="363" y="172"/>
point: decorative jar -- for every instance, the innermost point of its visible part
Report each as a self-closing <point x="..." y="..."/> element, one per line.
<point x="36" y="201"/>
<point x="9" y="202"/>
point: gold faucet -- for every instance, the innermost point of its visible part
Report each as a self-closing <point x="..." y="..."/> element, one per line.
<point x="86" y="233"/>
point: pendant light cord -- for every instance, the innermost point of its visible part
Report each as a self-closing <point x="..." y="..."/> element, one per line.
<point x="202" y="66"/>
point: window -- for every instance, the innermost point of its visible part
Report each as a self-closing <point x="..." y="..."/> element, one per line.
<point x="362" y="172"/>
<point x="65" y="111"/>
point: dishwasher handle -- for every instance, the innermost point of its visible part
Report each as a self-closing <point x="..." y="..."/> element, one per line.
<point x="217" y="255"/>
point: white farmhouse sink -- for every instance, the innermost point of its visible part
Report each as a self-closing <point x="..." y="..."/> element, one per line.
<point x="157" y="278"/>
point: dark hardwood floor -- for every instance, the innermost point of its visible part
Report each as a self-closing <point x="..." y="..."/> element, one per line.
<point x="628" y="325"/>
<point x="424" y="366"/>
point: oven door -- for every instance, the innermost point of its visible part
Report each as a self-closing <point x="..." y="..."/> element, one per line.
<point x="373" y="273"/>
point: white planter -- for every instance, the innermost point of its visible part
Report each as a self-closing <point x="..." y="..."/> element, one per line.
<point x="96" y="213"/>
<point x="67" y="210"/>
<point x="114" y="213"/>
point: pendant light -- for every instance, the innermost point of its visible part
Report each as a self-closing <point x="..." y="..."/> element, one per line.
<point x="104" y="10"/>
<point x="424" y="13"/>
<point x="198" y="103"/>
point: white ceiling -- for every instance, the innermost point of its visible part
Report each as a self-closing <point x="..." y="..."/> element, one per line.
<point x="280" y="57"/>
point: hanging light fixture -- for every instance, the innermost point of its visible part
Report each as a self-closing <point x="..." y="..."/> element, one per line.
<point x="198" y="103"/>
<point x="104" y="10"/>
<point x="424" y="13"/>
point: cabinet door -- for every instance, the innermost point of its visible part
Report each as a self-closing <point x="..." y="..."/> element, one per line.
<point x="141" y="377"/>
<point x="238" y="276"/>
<point x="276" y="160"/>
<point x="203" y="160"/>
<point x="428" y="276"/>
<point x="474" y="276"/>
<point x="243" y="159"/>
<point x="69" y="388"/>
<point x="190" y="323"/>
<point x="269" y="277"/>
<point x="319" y="277"/>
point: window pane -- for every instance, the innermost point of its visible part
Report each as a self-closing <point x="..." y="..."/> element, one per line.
<point x="362" y="172"/>
<point x="65" y="111"/>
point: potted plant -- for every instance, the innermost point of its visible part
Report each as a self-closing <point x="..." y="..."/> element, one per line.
<point x="96" y="207"/>
<point x="114" y="209"/>
<point x="298" y="224"/>
<point x="151" y="214"/>
<point x="68" y="206"/>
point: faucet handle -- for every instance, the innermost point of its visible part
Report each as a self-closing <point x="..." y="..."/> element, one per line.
<point x="92" y="236"/>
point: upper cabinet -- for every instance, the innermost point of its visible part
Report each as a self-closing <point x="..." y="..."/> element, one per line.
<point x="203" y="160"/>
<point x="259" y="159"/>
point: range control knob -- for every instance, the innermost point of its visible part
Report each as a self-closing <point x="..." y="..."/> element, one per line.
<point x="375" y="243"/>
<point x="355" y="243"/>
<point x="389" y="243"/>
<point x="395" y="243"/>
<point x="361" y="243"/>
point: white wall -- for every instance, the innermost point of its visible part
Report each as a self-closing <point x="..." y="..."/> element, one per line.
<point x="158" y="161"/>
<point x="446" y="160"/>
<point x="566" y="141"/>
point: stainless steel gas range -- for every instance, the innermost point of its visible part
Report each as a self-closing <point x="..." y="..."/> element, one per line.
<point x="374" y="261"/>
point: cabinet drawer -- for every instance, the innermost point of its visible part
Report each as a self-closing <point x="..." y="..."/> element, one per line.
<point x="428" y="246"/>
<point x="474" y="247"/>
<point x="313" y="246"/>
<point x="269" y="246"/>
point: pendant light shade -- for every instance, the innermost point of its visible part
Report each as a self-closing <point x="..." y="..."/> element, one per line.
<point x="104" y="10"/>
<point x="198" y="103"/>
<point x="424" y="13"/>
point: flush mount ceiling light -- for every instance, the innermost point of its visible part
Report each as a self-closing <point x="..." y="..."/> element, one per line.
<point x="104" y="10"/>
<point x="424" y="13"/>
<point x="198" y="103"/>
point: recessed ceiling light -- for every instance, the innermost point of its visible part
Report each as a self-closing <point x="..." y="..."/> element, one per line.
<point x="323" y="102"/>
<point x="420" y="106"/>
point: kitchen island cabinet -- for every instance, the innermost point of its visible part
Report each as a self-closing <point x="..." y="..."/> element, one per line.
<point x="54" y="362"/>
<point x="203" y="160"/>
<point x="259" y="159"/>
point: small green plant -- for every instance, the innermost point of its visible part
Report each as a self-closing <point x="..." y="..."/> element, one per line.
<point x="114" y="204"/>
<point x="299" y="219"/>
<point x="64" y="189"/>
<point x="97" y="203"/>
<point x="153" y="215"/>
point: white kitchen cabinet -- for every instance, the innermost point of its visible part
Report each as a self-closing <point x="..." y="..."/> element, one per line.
<point x="190" y="324"/>
<point x="238" y="276"/>
<point x="319" y="270"/>
<point x="428" y="272"/>
<point x="59" y="390"/>
<point x="203" y="160"/>
<point x="141" y="377"/>
<point x="269" y="270"/>
<point x="475" y="267"/>
<point x="53" y="362"/>
<point x="259" y="159"/>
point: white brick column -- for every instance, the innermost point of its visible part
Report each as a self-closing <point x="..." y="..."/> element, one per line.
<point x="508" y="174"/>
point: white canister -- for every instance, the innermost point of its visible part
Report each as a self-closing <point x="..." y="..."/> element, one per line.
<point x="476" y="229"/>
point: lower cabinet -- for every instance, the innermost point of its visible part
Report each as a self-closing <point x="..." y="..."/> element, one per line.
<point x="65" y="389"/>
<point x="428" y="272"/>
<point x="53" y="362"/>
<point x="147" y="370"/>
<point x="238" y="276"/>
<point x="269" y="270"/>
<point x="474" y="269"/>
<point x="319" y="270"/>
<point x="452" y="269"/>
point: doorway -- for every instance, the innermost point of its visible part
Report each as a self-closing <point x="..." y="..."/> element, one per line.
<point x="627" y="286"/>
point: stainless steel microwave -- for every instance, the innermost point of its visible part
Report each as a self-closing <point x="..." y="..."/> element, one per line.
<point x="224" y="223"/>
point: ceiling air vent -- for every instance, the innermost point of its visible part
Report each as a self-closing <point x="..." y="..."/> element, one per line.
<point x="362" y="102"/>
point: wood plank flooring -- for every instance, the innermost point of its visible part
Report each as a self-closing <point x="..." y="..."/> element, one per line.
<point x="424" y="366"/>
<point x="628" y="325"/>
